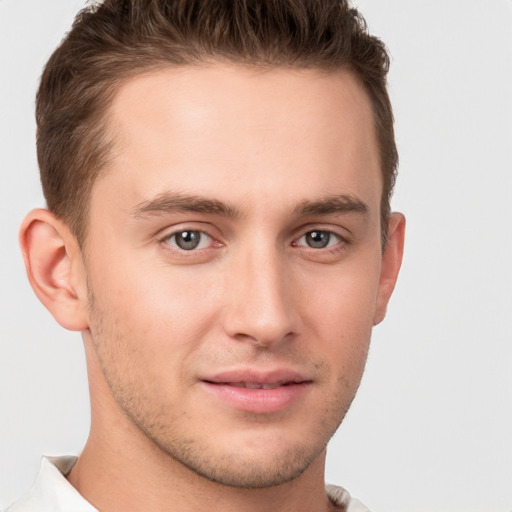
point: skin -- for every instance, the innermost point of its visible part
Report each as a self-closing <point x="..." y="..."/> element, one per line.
<point x="252" y="162"/>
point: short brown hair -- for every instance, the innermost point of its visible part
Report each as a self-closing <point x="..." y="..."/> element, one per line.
<point x="117" y="39"/>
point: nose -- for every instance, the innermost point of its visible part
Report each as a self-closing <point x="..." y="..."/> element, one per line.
<point x="261" y="308"/>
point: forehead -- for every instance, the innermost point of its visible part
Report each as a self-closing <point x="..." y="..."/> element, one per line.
<point x="239" y="133"/>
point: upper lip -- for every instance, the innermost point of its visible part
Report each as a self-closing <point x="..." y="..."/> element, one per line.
<point x="236" y="376"/>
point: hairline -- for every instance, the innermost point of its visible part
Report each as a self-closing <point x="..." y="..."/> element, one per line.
<point x="100" y="121"/>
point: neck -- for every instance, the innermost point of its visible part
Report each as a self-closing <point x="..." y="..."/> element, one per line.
<point x="115" y="475"/>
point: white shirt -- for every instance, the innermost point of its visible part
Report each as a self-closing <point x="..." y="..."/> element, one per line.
<point x="51" y="492"/>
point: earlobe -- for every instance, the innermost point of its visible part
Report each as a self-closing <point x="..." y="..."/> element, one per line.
<point x="54" y="266"/>
<point x="391" y="262"/>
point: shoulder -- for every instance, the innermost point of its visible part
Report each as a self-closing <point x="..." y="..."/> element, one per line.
<point x="342" y="500"/>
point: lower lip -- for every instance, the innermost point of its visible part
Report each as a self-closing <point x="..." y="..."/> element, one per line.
<point x="260" y="401"/>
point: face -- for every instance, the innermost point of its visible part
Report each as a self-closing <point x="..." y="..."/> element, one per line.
<point x="233" y="260"/>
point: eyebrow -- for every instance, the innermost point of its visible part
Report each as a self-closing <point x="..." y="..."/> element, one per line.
<point x="336" y="204"/>
<point x="174" y="202"/>
<point x="170" y="202"/>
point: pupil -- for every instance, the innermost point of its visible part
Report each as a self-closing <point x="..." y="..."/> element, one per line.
<point x="188" y="240"/>
<point x="318" y="239"/>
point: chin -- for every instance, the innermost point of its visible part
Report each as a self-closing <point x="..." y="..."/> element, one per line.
<point x="249" y="471"/>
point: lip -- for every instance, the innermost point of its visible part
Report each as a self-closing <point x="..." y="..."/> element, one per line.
<point x="258" y="392"/>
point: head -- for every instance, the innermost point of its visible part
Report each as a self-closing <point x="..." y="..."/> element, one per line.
<point x="218" y="176"/>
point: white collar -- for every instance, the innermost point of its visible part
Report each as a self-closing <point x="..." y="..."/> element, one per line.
<point x="51" y="491"/>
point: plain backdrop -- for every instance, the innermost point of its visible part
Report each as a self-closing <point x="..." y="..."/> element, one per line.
<point x="431" y="428"/>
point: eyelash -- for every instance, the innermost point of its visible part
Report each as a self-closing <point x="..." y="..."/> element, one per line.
<point x="341" y="242"/>
<point x="166" y="239"/>
<point x="331" y="235"/>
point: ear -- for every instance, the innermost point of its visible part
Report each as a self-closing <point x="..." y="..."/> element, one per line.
<point x="55" y="268"/>
<point x="391" y="261"/>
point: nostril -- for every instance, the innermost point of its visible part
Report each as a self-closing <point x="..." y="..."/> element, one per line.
<point x="264" y="339"/>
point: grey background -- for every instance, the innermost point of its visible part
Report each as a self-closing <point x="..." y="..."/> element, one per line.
<point x="431" y="429"/>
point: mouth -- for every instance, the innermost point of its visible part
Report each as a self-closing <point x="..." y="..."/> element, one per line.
<point x="256" y="385"/>
<point x="260" y="393"/>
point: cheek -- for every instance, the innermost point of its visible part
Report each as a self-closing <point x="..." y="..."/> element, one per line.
<point x="344" y="298"/>
<point x="165" y="311"/>
<point x="340" y="314"/>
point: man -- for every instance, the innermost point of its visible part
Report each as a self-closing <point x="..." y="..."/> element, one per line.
<point x="218" y="177"/>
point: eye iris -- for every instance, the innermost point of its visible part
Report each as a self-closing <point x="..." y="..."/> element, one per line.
<point x="188" y="240"/>
<point x="318" y="239"/>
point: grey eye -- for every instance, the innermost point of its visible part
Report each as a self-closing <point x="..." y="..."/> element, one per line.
<point x="189" y="240"/>
<point x="318" y="239"/>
